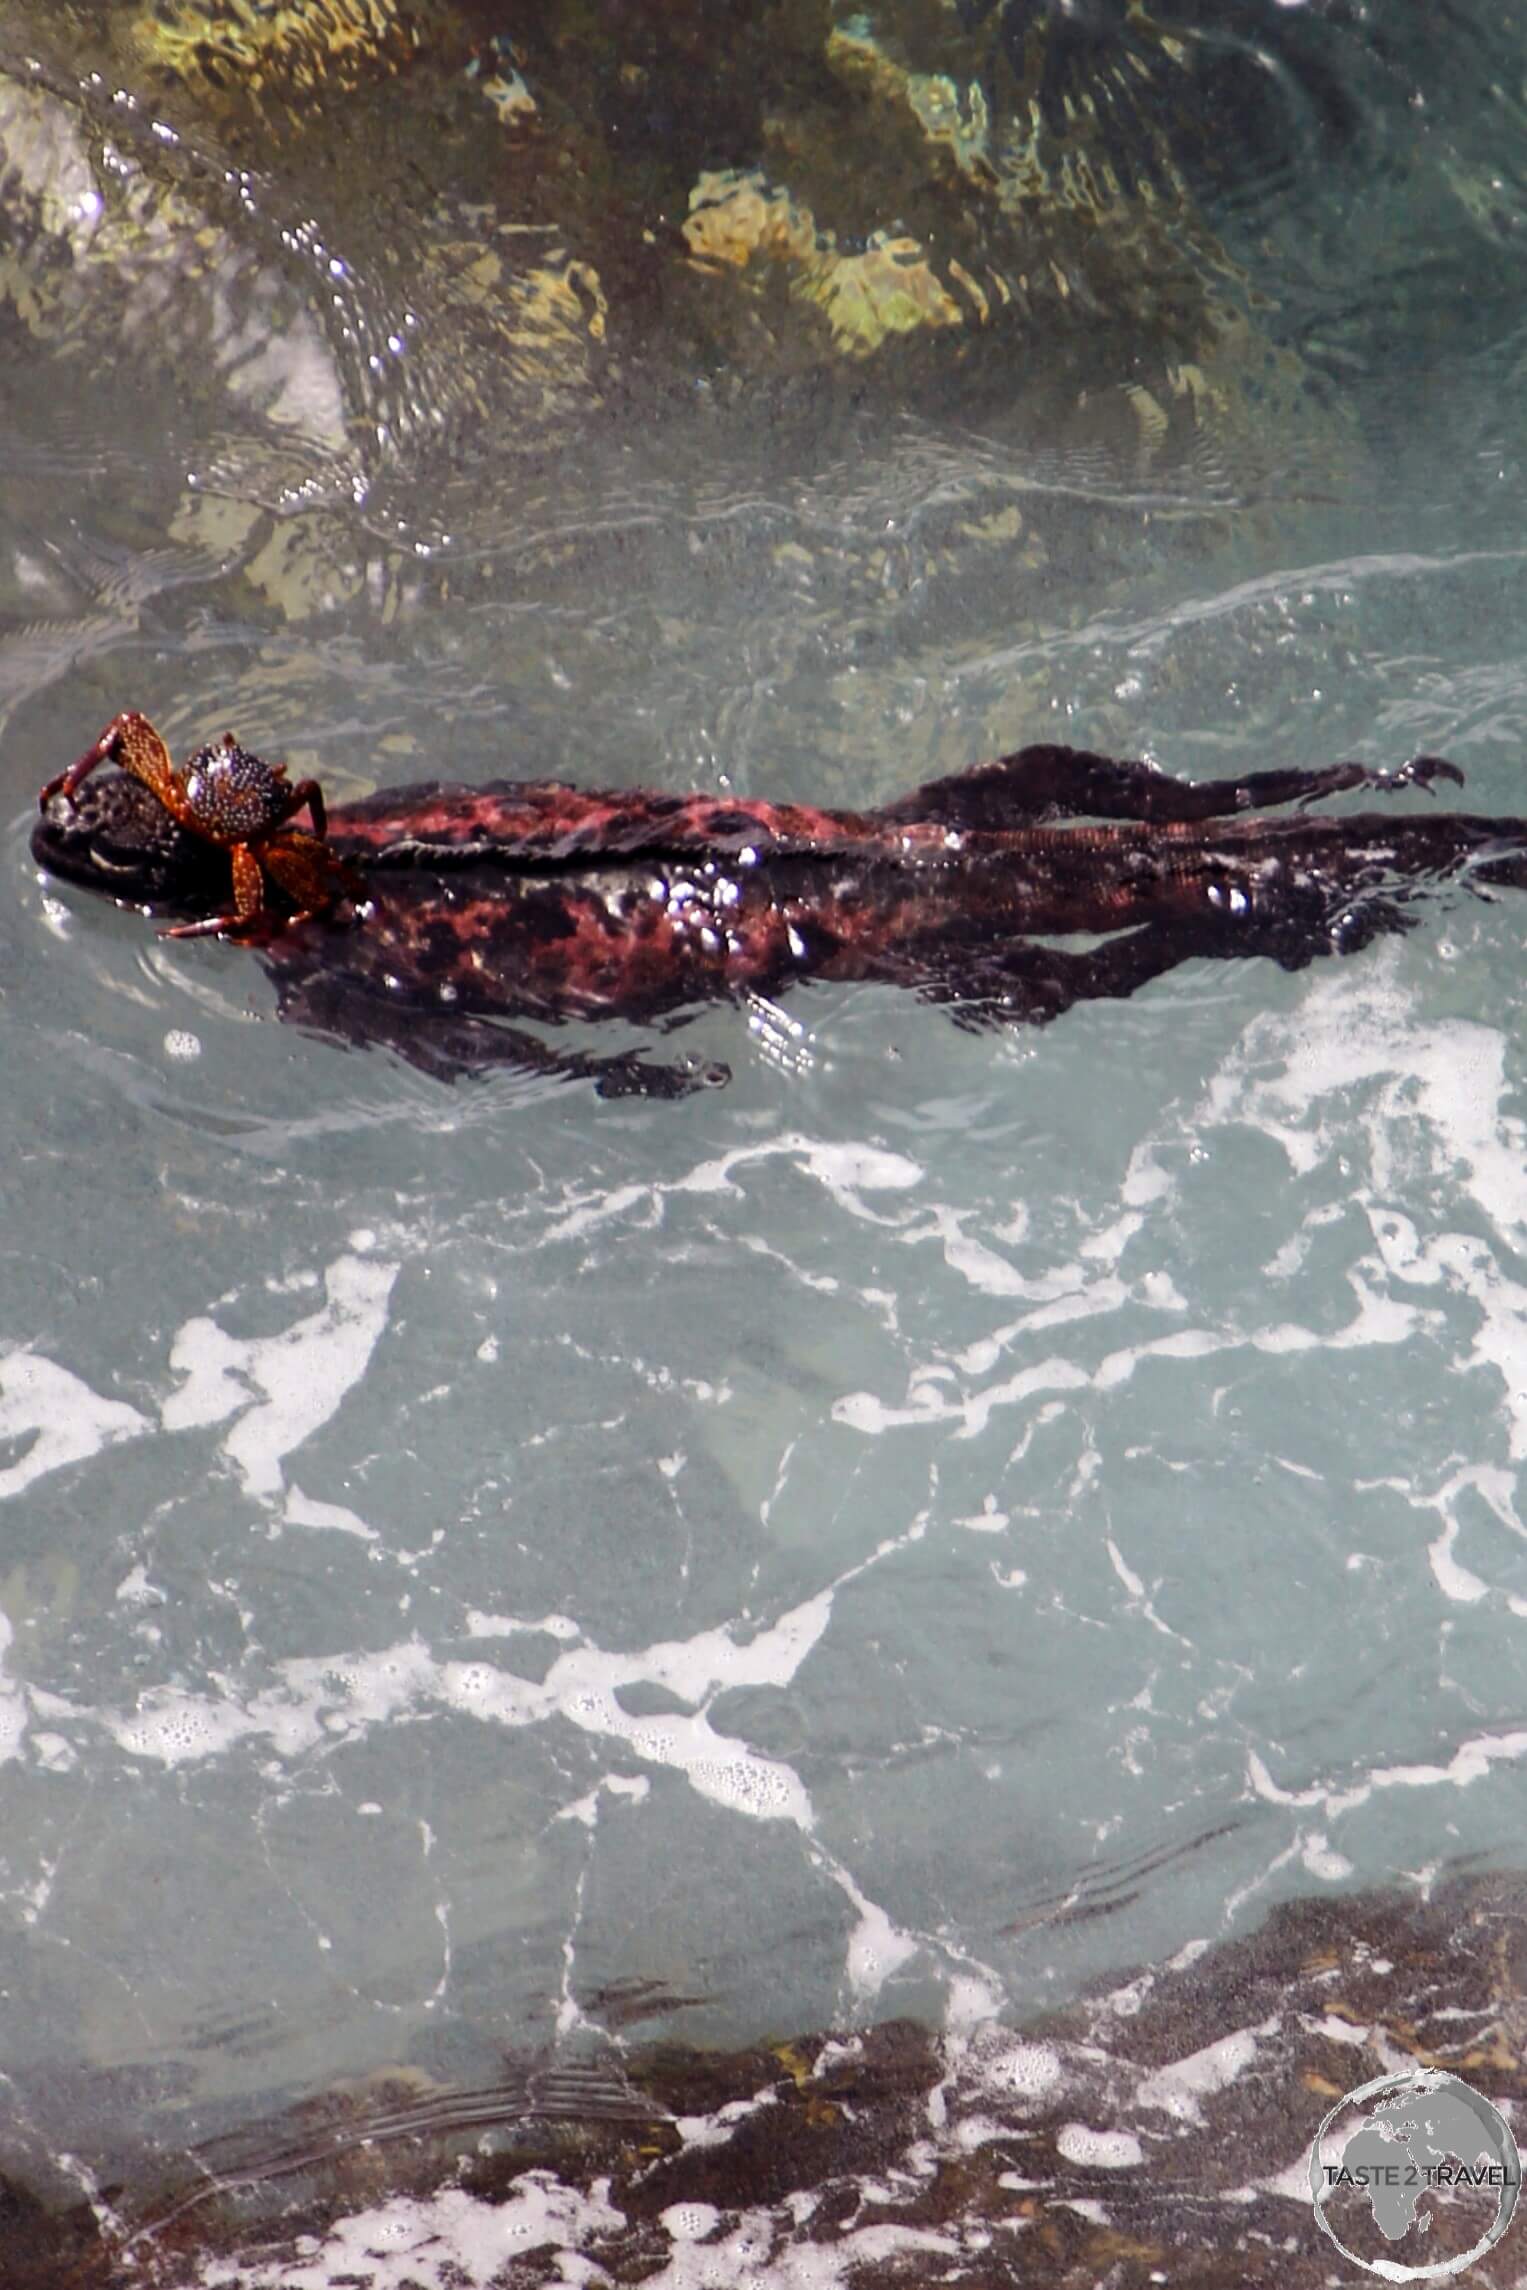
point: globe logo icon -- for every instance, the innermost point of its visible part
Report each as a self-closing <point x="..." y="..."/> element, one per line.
<point x="1415" y="2176"/>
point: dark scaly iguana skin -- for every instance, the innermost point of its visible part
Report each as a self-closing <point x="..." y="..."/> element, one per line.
<point x="535" y="901"/>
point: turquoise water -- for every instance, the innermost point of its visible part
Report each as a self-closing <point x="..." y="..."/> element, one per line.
<point x="944" y="1520"/>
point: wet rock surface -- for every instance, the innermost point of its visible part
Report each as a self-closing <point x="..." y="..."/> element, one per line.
<point x="1155" y="2131"/>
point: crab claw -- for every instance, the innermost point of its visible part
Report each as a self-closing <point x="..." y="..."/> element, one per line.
<point x="101" y="750"/>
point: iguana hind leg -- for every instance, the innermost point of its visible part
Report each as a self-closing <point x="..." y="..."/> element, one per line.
<point x="1039" y="784"/>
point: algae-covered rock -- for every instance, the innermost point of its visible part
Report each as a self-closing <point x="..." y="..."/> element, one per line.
<point x="297" y="46"/>
<point x="1157" y="2129"/>
<point x="888" y="288"/>
<point x="371" y="249"/>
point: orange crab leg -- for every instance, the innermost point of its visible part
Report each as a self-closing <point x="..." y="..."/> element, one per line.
<point x="306" y="869"/>
<point x="131" y="741"/>
<point x="309" y="792"/>
<point x="309" y="872"/>
<point x="248" y="900"/>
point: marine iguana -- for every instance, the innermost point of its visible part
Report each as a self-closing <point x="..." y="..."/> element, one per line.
<point x="485" y="908"/>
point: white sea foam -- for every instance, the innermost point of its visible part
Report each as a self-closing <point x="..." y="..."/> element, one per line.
<point x="1179" y="2088"/>
<point x="846" y="1171"/>
<point x="690" y="2222"/>
<point x="1016" y="2070"/>
<point x="66" y="1420"/>
<point x="1434" y="1106"/>
<point x="450" y="2241"/>
<point x="340" y="1696"/>
<point x="13" y="1704"/>
<point x="301" y="1375"/>
<point x="305" y="1511"/>
<point x="1099" y="2150"/>
<point x="1469" y="1762"/>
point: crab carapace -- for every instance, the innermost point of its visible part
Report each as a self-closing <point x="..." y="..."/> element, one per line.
<point x="457" y="918"/>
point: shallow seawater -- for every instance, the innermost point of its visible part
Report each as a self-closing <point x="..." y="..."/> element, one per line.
<point x="947" y="1526"/>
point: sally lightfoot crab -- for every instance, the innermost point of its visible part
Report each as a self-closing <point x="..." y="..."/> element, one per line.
<point x="241" y="805"/>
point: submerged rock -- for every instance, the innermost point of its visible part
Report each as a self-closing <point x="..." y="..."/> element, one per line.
<point x="1157" y="2129"/>
<point x="301" y="47"/>
<point x="368" y="229"/>
<point x="888" y="288"/>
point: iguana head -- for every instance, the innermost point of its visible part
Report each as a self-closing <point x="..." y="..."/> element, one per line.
<point x="114" y="836"/>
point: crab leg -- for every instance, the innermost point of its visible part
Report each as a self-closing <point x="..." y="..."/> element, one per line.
<point x="131" y="741"/>
<point x="309" y="792"/>
<point x="248" y="899"/>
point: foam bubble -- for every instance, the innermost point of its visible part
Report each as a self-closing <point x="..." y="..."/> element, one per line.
<point x="690" y="2222"/>
<point x="178" y="1728"/>
<point x="1099" y="2150"/>
<point x="1178" y="2088"/>
<point x="1029" y="2071"/>
<point x="453" y="2241"/>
